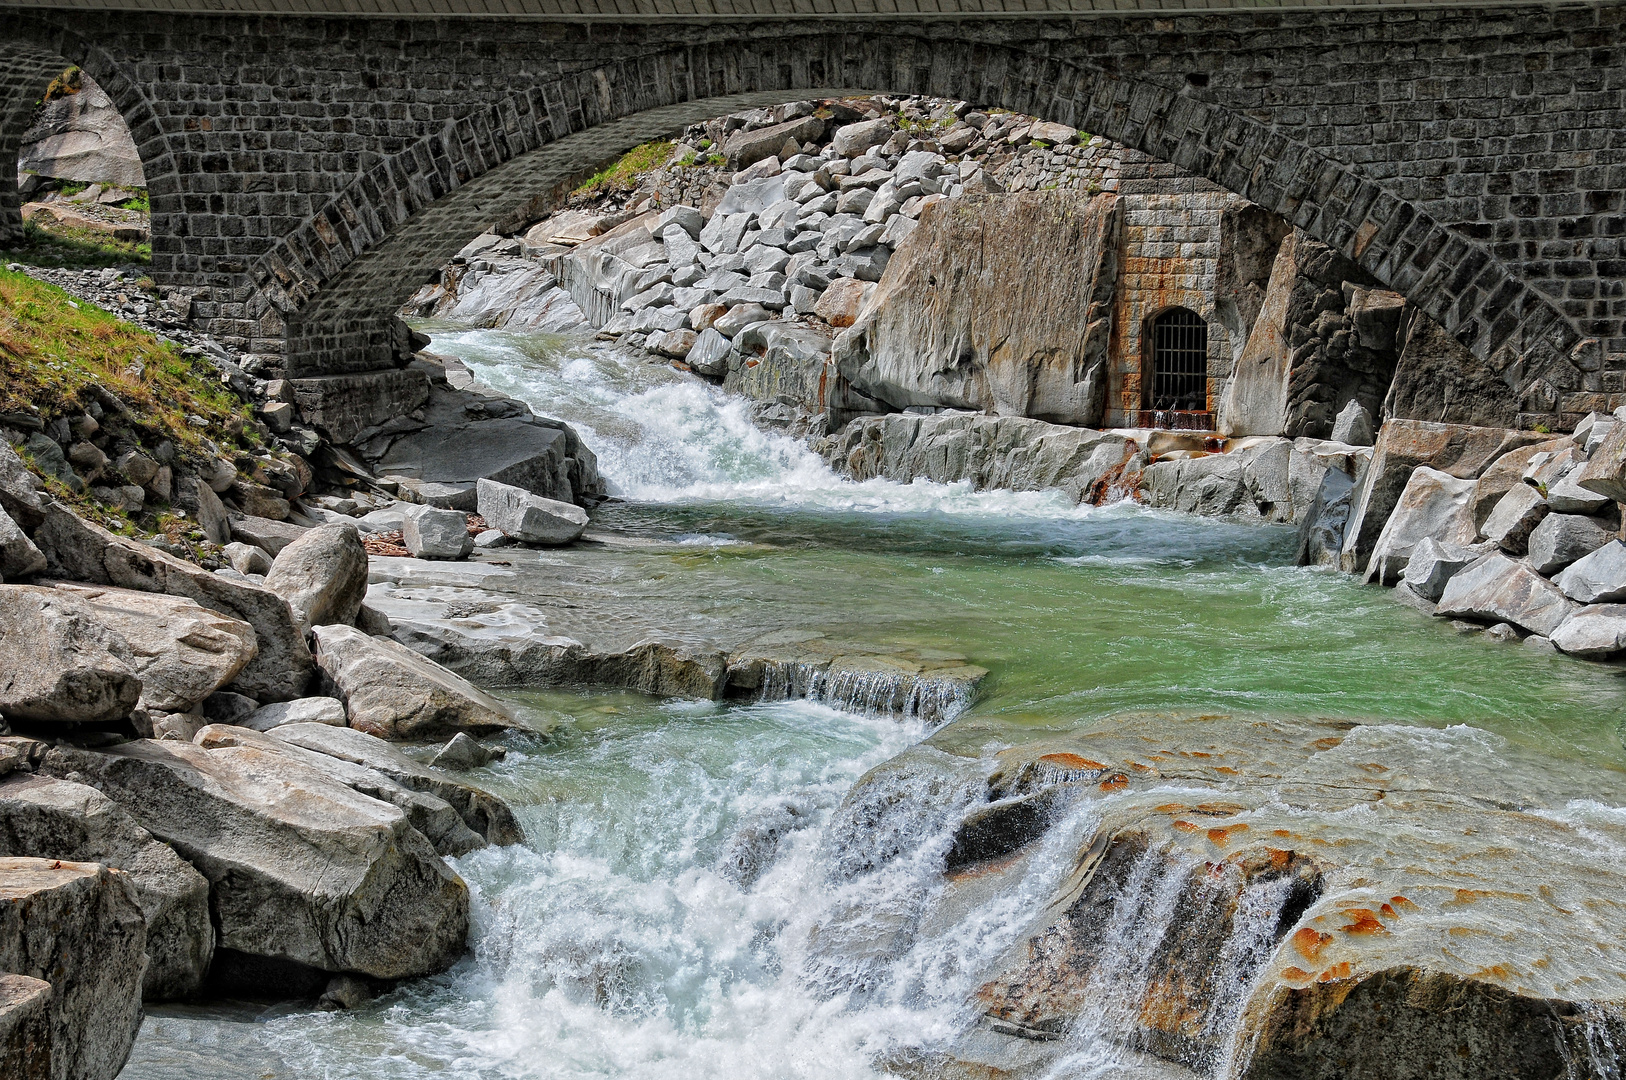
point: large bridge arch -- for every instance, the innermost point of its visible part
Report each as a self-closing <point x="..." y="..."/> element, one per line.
<point x="1461" y="154"/>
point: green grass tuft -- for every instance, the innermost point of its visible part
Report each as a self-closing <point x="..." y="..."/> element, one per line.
<point x="625" y="173"/>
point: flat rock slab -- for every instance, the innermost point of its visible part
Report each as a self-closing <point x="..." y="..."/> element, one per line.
<point x="78" y="927"/>
<point x="59" y="663"/>
<point x="86" y="552"/>
<point x="481" y="811"/>
<point x="47" y="818"/>
<point x="301" y="867"/>
<point x="182" y="651"/>
<point x="394" y="693"/>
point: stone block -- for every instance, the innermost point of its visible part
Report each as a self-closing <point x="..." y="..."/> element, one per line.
<point x="1434" y="505"/>
<point x="1495" y="588"/>
<point x="1596" y="578"/>
<point x="528" y="518"/>
<point x="1514" y="518"/>
<point x="1561" y="539"/>
<point x="1596" y="632"/>
<point x="343" y="406"/>
<point x="438" y="534"/>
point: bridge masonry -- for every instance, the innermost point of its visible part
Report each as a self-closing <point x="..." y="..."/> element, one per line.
<point x="307" y="173"/>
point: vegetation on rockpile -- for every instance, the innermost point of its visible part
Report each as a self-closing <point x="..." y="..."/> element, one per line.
<point x="62" y="358"/>
<point x="54" y="349"/>
<point x="71" y="81"/>
<point x="624" y="175"/>
<point x="75" y="248"/>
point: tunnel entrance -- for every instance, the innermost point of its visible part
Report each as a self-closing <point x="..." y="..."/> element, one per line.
<point x="1178" y="392"/>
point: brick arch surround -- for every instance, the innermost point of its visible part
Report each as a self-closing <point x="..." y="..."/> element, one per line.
<point x="27" y="66"/>
<point x="1466" y="156"/>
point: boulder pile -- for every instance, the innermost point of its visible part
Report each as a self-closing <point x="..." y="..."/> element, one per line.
<point x="196" y="797"/>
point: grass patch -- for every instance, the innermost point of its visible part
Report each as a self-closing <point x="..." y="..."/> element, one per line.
<point x="55" y="350"/>
<point x="76" y="249"/>
<point x="625" y="173"/>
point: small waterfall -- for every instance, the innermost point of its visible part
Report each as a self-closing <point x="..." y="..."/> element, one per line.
<point x="869" y="691"/>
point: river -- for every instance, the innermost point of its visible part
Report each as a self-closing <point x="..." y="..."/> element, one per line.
<point x="641" y="931"/>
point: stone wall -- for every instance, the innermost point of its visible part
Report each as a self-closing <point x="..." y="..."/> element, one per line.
<point x="308" y="174"/>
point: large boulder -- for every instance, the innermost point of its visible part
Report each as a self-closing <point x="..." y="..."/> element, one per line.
<point x="1561" y="539"/>
<point x="433" y="533"/>
<point x="77" y="926"/>
<point x="1605" y="471"/>
<point x="1461" y="450"/>
<point x="1435" y="505"/>
<point x="59" y="663"/>
<point x="1002" y="339"/>
<point x="393" y="693"/>
<point x="82" y="136"/>
<point x="1514" y="518"/>
<point x="530" y="519"/>
<point x="86" y="552"/>
<point x="47" y="818"/>
<point x="25" y="1028"/>
<point x="301" y="868"/>
<point x="436" y="819"/>
<point x="1507" y="471"/>
<point x="484" y="813"/>
<point x="749" y="147"/>
<point x="183" y="652"/>
<point x="1597" y="632"/>
<point x="322" y="575"/>
<point x="1434" y="563"/>
<point x="1598" y="578"/>
<point x="1497" y="589"/>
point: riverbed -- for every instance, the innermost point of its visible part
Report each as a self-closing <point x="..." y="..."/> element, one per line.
<point x="664" y="918"/>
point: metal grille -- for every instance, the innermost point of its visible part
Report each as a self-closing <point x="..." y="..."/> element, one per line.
<point x="1179" y="361"/>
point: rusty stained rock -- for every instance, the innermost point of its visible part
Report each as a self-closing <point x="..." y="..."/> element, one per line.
<point x="1282" y="885"/>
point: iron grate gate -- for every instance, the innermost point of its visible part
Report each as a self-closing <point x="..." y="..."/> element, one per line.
<point x="1179" y="361"/>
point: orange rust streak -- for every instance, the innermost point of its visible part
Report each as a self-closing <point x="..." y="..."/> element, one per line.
<point x="1328" y="743"/>
<point x="1309" y="942"/>
<point x="1071" y="761"/>
<point x="1115" y="782"/>
<point x="1185" y="826"/>
<point x="1365" y="921"/>
<point x="1402" y="902"/>
<point x="1337" y="971"/>
<point x="1227" y="770"/>
<point x="1297" y="974"/>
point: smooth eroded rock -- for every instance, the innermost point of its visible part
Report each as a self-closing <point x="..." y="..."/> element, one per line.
<point x="1561" y="539"/>
<point x="393" y="693"/>
<point x="1434" y="505"/>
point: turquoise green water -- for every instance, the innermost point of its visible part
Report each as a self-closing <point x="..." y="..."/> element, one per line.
<point x="621" y="940"/>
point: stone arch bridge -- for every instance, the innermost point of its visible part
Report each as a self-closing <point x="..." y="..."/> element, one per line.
<point x="311" y="162"/>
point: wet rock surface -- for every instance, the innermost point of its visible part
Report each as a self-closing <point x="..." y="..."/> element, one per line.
<point x="1278" y="897"/>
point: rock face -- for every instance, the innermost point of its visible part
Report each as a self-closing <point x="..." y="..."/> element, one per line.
<point x="78" y="927"/>
<point x="393" y="693"/>
<point x="1439" y="380"/>
<point x="466" y="436"/>
<point x="1255" y="399"/>
<point x="1497" y="589"/>
<point x="960" y="319"/>
<point x="1514" y="518"/>
<point x="59" y="663"/>
<point x="82" y="137"/>
<point x="182" y="652"/>
<point x="988" y="451"/>
<point x="46" y="818"/>
<point x="1258" y="885"/>
<point x="86" y="552"/>
<point x="528" y="518"/>
<point x="301" y="868"/>
<point x="25" y="1028"/>
<point x="322" y="576"/>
